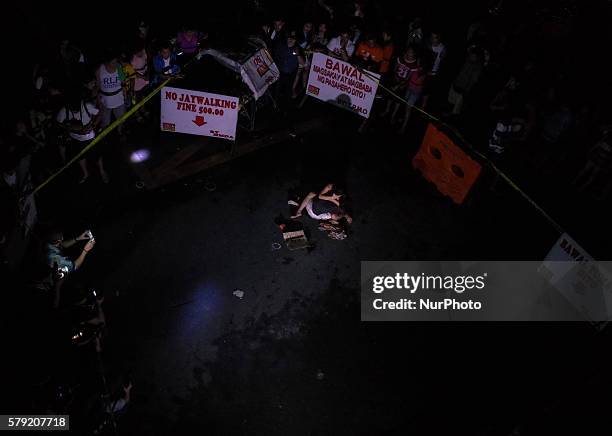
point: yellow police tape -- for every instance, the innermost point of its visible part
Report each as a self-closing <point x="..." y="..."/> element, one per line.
<point x="472" y="149"/>
<point x="103" y="134"/>
<point x="138" y="105"/>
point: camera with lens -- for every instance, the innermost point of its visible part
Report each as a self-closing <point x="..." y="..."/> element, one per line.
<point x="62" y="272"/>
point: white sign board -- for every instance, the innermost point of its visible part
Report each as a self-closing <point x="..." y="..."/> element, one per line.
<point x="199" y="113"/>
<point x="568" y="250"/>
<point x="586" y="283"/>
<point x="259" y="72"/>
<point x="340" y="83"/>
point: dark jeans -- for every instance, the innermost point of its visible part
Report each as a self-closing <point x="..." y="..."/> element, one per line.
<point x="284" y="88"/>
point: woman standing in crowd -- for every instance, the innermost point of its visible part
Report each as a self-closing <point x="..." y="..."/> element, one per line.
<point x="139" y="62"/>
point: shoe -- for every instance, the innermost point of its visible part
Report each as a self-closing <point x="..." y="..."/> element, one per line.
<point x="83" y="180"/>
<point x="105" y="178"/>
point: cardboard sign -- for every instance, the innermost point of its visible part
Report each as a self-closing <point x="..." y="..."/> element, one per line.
<point x="586" y="283"/>
<point x="199" y="113"/>
<point x="340" y="83"/>
<point x="446" y="165"/>
<point x="259" y="72"/>
<point x="568" y="250"/>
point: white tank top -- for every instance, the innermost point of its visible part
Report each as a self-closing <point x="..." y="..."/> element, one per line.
<point x="111" y="93"/>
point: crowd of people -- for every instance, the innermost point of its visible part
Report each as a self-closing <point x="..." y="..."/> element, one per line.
<point x="508" y="85"/>
<point x="489" y="82"/>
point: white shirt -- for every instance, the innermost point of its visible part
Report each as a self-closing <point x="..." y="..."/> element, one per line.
<point x="110" y="83"/>
<point x="82" y="116"/>
<point x="334" y="46"/>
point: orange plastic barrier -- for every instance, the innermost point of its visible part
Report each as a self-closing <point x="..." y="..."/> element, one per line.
<point x="446" y="165"/>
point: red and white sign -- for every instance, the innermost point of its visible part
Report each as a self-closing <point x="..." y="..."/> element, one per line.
<point x="199" y="113"/>
<point x="340" y="83"/>
<point x="259" y="72"/>
<point x="586" y="283"/>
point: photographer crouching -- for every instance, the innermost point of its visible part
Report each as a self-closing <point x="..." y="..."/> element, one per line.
<point x="61" y="266"/>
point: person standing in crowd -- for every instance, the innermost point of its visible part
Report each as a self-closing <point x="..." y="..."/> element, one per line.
<point x="320" y="39"/>
<point x="142" y="33"/>
<point x="129" y="79"/>
<point x="289" y="59"/>
<point x="598" y="165"/>
<point x="404" y="67"/>
<point x="70" y="59"/>
<point x="436" y="53"/>
<point x="139" y="62"/>
<point x="415" y="33"/>
<point x="414" y="91"/>
<point x="305" y="36"/>
<point x="369" y="54"/>
<point x="111" y="91"/>
<point x="466" y="79"/>
<point x="188" y="43"/>
<point x="355" y="30"/>
<point x="514" y="117"/>
<point x="341" y="46"/>
<point x="388" y="48"/>
<point x="274" y="34"/>
<point x="359" y="9"/>
<point x="79" y="120"/>
<point x="164" y="64"/>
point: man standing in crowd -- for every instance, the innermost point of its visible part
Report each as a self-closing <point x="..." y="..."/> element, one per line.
<point x="111" y="93"/>
<point x="274" y="34"/>
<point x="164" y="64"/>
<point x="436" y="53"/>
<point x="388" y="48"/>
<point x="369" y="54"/>
<point x="341" y="46"/>
<point x="79" y="120"/>
<point x="466" y="79"/>
<point x="289" y="60"/>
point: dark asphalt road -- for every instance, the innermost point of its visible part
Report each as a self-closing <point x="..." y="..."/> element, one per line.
<point x="204" y="361"/>
<point x="292" y="357"/>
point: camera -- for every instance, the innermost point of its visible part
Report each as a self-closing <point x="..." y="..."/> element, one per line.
<point x="61" y="272"/>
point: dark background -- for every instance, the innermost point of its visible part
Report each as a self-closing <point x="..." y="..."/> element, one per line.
<point x="203" y="361"/>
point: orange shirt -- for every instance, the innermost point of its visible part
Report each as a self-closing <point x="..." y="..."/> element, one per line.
<point x="387" y="56"/>
<point x="366" y="52"/>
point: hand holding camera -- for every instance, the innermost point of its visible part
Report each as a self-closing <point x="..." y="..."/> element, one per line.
<point x="85" y="235"/>
<point x="89" y="246"/>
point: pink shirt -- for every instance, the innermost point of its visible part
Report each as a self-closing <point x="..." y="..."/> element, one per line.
<point x="186" y="45"/>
